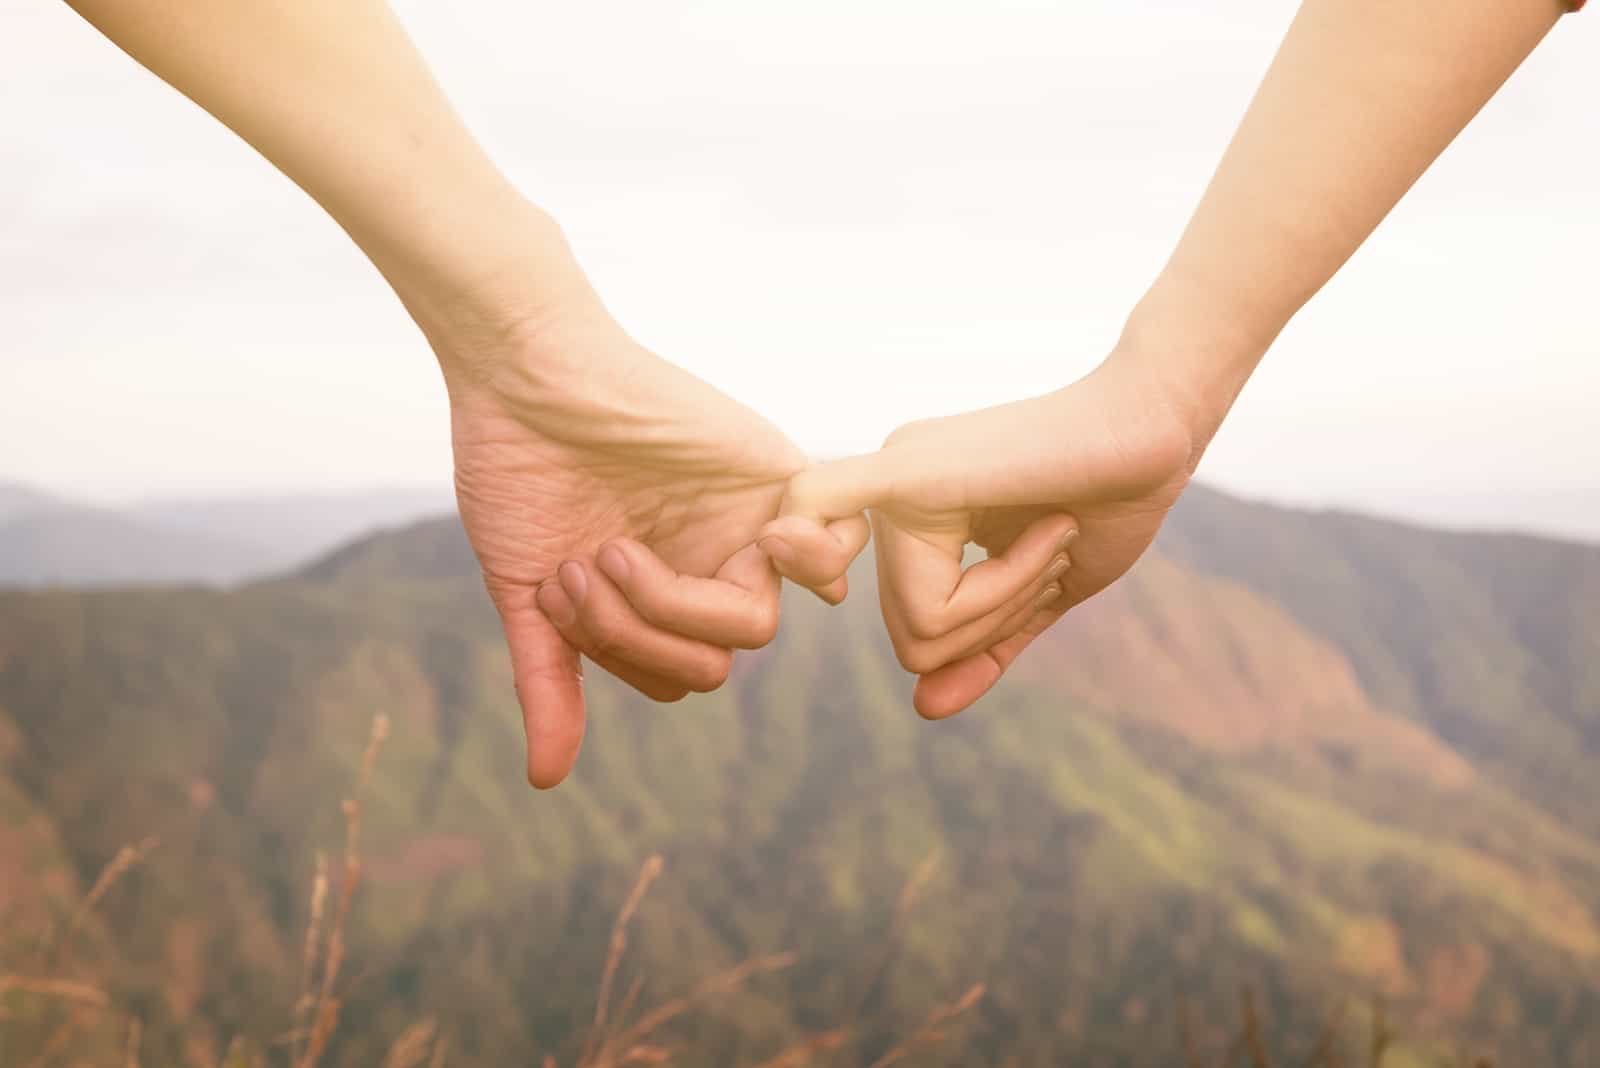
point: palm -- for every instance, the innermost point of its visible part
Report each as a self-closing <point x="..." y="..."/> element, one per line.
<point x="530" y="500"/>
<point x="592" y="439"/>
<point x="1113" y="534"/>
<point x="1004" y="478"/>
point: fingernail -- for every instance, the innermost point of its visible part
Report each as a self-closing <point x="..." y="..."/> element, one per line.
<point x="1047" y="595"/>
<point x="614" y="562"/>
<point x="1057" y="568"/>
<point x="1068" y="538"/>
<point x="554" y="604"/>
<point x="573" y="580"/>
<point x="779" y="550"/>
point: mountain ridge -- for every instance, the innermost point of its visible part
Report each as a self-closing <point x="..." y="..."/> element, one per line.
<point x="49" y="540"/>
<point x="1194" y="784"/>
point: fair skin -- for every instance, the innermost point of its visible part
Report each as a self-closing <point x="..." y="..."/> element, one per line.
<point x="612" y="499"/>
<point x="567" y="434"/>
<point x="623" y="510"/>
<point x="1362" y="97"/>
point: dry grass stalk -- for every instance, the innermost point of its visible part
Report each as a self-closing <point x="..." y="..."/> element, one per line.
<point x="323" y="1025"/>
<point x="929" y="1033"/>
<point x="241" y="1055"/>
<point x="910" y="894"/>
<point x="632" y="1040"/>
<point x="127" y="858"/>
<point x="1186" y="1039"/>
<point x="326" y="1016"/>
<point x="81" y="995"/>
<point x="63" y="989"/>
<point x="307" y="999"/>
<point x="412" y="1047"/>
<point x="802" y="1052"/>
<point x="1326" y="1049"/>
<point x="1251" y="1037"/>
<point x="1381" y="1035"/>
<point x="440" y="1048"/>
<point x="130" y="1053"/>
<point x="325" y="1019"/>
<point x="630" y="997"/>
<point x="618" y="945"/>
<point x="58" y="1041"/>
<point x="369" y="759"/>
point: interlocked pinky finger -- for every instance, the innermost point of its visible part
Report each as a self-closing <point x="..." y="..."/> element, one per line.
<point x="816" y="555"/>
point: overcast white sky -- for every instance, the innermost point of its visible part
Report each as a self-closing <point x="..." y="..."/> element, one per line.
<point x="846" y="214"/>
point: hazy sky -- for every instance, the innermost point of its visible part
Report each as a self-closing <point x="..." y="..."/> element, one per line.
<point x="846" y="214"/>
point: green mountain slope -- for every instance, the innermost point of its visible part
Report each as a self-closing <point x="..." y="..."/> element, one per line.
<point x="1491" y="641"/>
<point x="1197" y="784"/>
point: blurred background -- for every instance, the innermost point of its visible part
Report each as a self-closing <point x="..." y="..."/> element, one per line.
<point x="1334" y="743"/>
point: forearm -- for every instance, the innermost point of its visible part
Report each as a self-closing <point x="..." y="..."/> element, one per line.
<point x="1362" y="97"/>
<point x="336" y="96"/>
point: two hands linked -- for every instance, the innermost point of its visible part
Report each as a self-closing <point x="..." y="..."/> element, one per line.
<point x="625" y="511"/>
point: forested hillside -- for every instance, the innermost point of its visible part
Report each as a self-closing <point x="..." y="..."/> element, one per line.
<point x="1322" y="757"/>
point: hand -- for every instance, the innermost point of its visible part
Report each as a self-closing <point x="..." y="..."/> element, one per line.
<point x="1109" y="450"/>
<point x="613" y="501"/>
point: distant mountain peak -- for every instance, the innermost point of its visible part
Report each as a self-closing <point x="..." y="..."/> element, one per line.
<point x="429" y="550"/>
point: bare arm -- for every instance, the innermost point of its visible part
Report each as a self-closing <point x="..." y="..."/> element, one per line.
<point x="333" y="93"/>
<point x="1361" y="98"/>
<point x="571" y="441"/>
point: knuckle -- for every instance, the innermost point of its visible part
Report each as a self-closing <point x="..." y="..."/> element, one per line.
<point x="923" y="622"/>
<point x="763" y="624"/>
<point x="836" y="560"/>
<point x="800" y="497"/>
<point x="908" y="433"/>
<point x="917" y="658"/>
<point x="657" y="689"/>
<point x="712" y="672"/>
<point x="605" y="638"/>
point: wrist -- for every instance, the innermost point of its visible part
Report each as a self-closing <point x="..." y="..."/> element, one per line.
<point x="1192" y="350"/>
<point x="488" y="301"/>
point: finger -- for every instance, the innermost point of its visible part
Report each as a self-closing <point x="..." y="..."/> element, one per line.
<point x="834" y="496"/>
<point x="549" y="684"/>
<point x="925" y="655"/>
<point x="942" y="693"/>
<point x="593" y="615"/>
<point x="738" y="608"/>
<point x="556" y="605"/>
<point x="936" y="597"/>
<point x="652" y="686"/>
<point x="814" y="553"/>
<point x="842" y="487"/>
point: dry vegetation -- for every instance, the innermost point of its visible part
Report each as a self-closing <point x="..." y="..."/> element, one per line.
<point x="620" y="1033"/>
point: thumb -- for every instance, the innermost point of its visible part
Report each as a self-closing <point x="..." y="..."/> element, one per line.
<point x="549" y="682"/>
